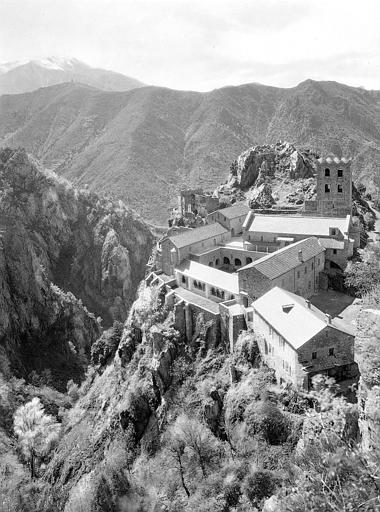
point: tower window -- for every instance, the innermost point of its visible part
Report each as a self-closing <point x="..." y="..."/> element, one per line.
<point x="327" y="188"/>
<point x="327" y="172"/>
<point x="340" y="173"/>
<point x="340" y="189"/>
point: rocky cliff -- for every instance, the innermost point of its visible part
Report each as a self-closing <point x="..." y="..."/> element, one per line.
<point x="64" y="252"/>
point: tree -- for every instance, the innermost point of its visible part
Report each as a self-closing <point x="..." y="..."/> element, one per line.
<point x="36" y="432"/>
<point x="362" y="275"/>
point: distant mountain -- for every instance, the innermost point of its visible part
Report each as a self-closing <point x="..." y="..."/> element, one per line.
<point x="144" y="144"/>
<point x="19" y="77"/>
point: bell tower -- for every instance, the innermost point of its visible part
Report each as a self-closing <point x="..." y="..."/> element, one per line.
<point x="334" y="187"/>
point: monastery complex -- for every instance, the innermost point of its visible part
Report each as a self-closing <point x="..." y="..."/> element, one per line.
<point x="250" y="270"/>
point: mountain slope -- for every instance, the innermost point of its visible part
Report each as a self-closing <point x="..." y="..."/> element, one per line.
<point x="143" y="145"/>
<point x="53" y="234"/>
<point x="22" y="77"/>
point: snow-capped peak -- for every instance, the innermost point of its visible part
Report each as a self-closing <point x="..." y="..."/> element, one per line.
<point x="57" y="63"/>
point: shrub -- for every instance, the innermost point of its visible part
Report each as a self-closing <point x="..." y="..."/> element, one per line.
<point x="258" y="485"/>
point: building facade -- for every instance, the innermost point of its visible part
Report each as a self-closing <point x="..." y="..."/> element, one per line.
<point x="299" y="341"/>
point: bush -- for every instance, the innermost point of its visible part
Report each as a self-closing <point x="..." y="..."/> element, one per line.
<point x="258" y="485"/>
<point x="104" y="349"/>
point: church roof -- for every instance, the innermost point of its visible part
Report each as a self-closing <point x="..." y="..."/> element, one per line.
<point x="277" y="263"/>
<point x="298" y="225"/>
<point x="289" y="315"/>
<point x="234" y="211"/>
<point x="198" y="234"/>
<point x="210" y="275"/>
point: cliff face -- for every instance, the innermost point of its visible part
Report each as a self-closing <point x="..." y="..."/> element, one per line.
<point x="61" y="248"/>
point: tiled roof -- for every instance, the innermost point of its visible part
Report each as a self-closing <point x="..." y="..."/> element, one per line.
<point x="331" y="243"/>
<point x="210" y="275"/>
<point x="298" y="225"/>
<point x="277" y="263"/>
<point x="290" y="316"/>
<point x="198" y="234"/>
<point x="234" y="211"/>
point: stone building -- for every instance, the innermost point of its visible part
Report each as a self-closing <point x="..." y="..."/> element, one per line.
<point x="196" y="202"/>
<point x="296" y="268"/>
<point x="299" y="341"/>
<point x="231" y="218"/>
<point x="175" y="249"/>
<point x="334" y="188"/>
<point x="340" y="235"/>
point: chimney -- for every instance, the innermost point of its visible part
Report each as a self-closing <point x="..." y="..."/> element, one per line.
<point x="328" y="318"/>
<point x="308" y="304"/>
<point x="300" y="255"/>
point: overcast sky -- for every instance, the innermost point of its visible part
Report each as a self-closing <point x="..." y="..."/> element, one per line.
<point x="202" y="44"/>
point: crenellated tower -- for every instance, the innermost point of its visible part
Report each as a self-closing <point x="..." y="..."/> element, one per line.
<point x="334" y="187"/>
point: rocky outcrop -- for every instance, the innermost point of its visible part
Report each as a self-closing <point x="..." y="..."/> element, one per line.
<point x="63" y="252"/>
<point x="91" y="246"/>
<point x="261" y="197"/>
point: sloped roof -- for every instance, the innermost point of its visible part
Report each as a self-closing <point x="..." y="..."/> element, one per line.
<point x="331" y="243"/>
<point x="234" y="211"/>
<point x="210" y="275"/>
<point x="291" y="317"/>
<point x="298" y="225"/>
<point x="198" y="234"/>
<point x="277" y="263"/>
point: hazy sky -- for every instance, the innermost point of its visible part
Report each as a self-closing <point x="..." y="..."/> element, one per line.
<point x="202" y="44"/>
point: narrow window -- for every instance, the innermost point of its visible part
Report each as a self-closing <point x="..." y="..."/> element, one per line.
<point x="331" y="351"/>
<point x="340" y="173"/>
<point x="217" y="262"/>
<point x="305" y="270"/>
<point x="327" y="172"/>
<point x="183" y="279"/>
<point x="312" y="265"/>
<point x="340" y="189"/>
<point x="314" y="355"/>
<point x="327" y="188"/>
<point x="334" y="251"/>
<point x="298" y="274"/>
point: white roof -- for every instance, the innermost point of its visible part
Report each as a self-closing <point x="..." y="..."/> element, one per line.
<point x="298" y="225"/>
<point x="210" y="275"/>
<point x="290" y="316"/>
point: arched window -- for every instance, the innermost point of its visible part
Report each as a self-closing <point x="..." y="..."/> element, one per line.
<point x="248" y="261"/>
<point x="327" y="172"/>
<point x="217" y="262"/>
<point x="237" y="262"/>
<point x="211" y="264"/>
<point x="226" y="261"/>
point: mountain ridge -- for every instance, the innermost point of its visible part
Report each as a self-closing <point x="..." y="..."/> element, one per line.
<point x="145" y="144"/>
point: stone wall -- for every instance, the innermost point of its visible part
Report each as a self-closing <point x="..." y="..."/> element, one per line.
<point x="303" y="280"/>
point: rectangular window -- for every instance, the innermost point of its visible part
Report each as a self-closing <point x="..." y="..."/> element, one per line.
<point x="305" y="270"/>
<point x="314" y="355"/>
<point x="334" y="251"/>
<point x="327" y="188"/>
<point x="327" y="172"/>
<point x="340" y="173"/>
<point x="331" y="351"/>
<point x="340" y="189"/>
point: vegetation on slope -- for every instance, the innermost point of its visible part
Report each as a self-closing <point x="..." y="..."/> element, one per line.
<point x="145" y="144"/>
<point x="163" y="426"/>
